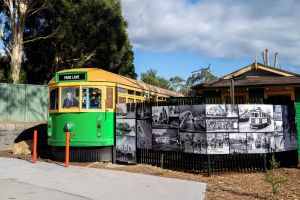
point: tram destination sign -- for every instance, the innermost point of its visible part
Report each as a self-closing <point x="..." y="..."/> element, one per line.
<point x="79" y="76"/>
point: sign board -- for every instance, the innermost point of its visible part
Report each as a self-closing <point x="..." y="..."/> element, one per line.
<point x="71" y="77"/>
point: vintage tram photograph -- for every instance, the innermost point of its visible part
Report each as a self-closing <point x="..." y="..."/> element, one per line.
<point x="218" y="143"/>
<point x="160" y="117"/>
<point x="221" y="110"/>
<point x="125" y="127"/>
<point x="166" y="139"/>
<point x="125" y="146"/>
<point x="256" y="118"/>
<point x="192" y="118"/>
<point x="144" y="134"/>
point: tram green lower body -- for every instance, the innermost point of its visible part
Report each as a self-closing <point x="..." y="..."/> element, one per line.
<point x="90" y="129"/>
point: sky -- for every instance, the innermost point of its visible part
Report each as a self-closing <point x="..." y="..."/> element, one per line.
<point x="177" y="37"/>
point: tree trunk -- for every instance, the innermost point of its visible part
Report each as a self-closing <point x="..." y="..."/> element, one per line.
<point x="16" y="61"/>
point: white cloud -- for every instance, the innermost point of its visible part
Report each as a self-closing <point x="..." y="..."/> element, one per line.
<point x="221" y="29"/>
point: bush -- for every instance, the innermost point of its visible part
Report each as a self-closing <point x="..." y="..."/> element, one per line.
<point x="272" y="177"/>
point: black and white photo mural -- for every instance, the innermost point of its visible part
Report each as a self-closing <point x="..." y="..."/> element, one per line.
<point x="126" y="132"/>
<point x="160" y="117"/>
<point x="218" y="143"/>
<point x="143" y="111"/>
<point x="121" y="111"/>
<point x="186" y="142"/>
<point x="279" y="143"/>
<point x="222" y="125"/>
<point x="200" y="143"/>
<point x="125" y="127"/>
<point x="205" y="129"/>
<point x="125" y="110"/>
<point x="289" y="128"/>
<point x="256" y="118"/>
<point x="221" y="110"/>
<point x="238" y="143"/>
<point x="166" y="139"/>
<point x="277" y="110"/>
<point x="192" y="118"/>
<point x="144" y="134"/>
<point x="258" y="142"/>
<point x="126" y="149"/>
<point x="174" y="117"/>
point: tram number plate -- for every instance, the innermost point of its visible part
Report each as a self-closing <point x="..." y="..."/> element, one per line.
<point x="71" y="77"/>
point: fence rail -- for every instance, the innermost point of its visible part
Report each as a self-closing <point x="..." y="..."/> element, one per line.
<point x="23" y="102"/>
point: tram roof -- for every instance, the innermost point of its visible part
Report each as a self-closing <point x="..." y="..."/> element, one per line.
<point x="97" y="75"/>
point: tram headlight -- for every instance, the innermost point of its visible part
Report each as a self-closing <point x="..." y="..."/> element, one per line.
<point x="68" y="127"/>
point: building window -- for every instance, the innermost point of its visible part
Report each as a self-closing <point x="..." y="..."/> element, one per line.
<point x="91" y="98"/>
<point x="122" y="100"/>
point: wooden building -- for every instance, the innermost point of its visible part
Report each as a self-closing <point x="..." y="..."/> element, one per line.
<point x="255" y="83"/>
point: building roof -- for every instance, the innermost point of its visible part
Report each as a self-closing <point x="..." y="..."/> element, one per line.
<point x="255" y="74"/>
<point x="100" y="75"/>
<point x="256" y="81"/>
<point x="261" y="67"/>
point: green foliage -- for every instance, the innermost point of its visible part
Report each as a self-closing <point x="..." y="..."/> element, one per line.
<point x="152" y="78"/>
<point x="203" y="76"/>
<point x="272" y="177"/>
<point x="177" y="83"/>
<point x="4" y="70"/>
<point x="84" y="33"/>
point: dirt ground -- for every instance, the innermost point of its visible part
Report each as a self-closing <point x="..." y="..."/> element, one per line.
<point x="225" y="186"/>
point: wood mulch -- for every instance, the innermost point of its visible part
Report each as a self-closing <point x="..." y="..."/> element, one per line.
<point x="225" y="186"/>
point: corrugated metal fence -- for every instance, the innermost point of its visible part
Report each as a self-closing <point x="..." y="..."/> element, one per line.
<point x="23" y="102"/>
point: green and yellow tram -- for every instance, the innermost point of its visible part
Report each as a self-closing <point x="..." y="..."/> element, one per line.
<point x="83" y="101"/>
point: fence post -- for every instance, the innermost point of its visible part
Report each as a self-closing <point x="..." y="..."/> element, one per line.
<point x="265" y="162"/>
<point x="162" y="161"/>
<point x="208" y="165"/>
<point x="34" y="146"/>
<point x="67" y="149"/>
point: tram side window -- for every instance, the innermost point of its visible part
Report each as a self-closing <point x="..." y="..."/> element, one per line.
<point x="122" y="100"/>
<point x="70" y="97"/>
<point x="91" y="98"/>
<point x="54" y="99"/>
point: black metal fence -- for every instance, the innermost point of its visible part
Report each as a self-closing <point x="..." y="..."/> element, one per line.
<point x="209" y="163"/>
<point x="201" y="163"/>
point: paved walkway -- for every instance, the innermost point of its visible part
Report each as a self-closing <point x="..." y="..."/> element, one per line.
<point x="21" y="179"/>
